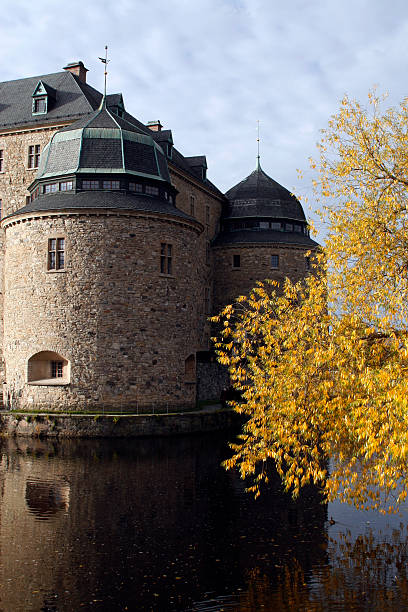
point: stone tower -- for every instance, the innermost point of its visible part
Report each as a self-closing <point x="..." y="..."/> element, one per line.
<point x="264" y="234"/>
<point x="101" y="276"/>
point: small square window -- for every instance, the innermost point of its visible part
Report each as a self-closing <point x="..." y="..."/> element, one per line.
<point x="166" y="258"/>
<point x="150" y="190"/>
<point x="51" y="188"/>
<point x="111" y="184"/>
<point x="138" y="187"/>
<point x="40" y="105"/>
<point x="33" y="156"/>
<point x="90" y="184"/>
<point x="56" y="253"/>
<point x="66" y="186"/>
<point x="274" y="261"/>
<point x="236" y="261"/>
<point x="56" y="369"/>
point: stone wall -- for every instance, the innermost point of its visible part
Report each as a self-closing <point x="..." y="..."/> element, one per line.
<point x="212" y="378"/>
<point x="230" y="282"/>
<point x="105" y="426"/>
<point x="125" y="328"/>
<point x="207" y="210"/>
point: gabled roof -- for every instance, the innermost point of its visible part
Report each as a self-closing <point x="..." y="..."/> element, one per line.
<point x="73" y="99"/>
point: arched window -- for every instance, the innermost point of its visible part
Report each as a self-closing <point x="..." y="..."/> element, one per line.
<point x="190" y="369"/>
<point x="48" y="368"/>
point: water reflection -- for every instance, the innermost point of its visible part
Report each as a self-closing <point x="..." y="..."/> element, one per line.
<point x="158" y="525"/>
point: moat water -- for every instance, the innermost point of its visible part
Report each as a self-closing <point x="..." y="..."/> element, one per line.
<point x="158" y="525"/>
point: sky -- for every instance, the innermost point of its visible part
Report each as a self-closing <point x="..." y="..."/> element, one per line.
<point x="211" y="69"/>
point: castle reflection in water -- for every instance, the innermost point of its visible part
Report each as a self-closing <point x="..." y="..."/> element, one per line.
<point x="157" y="524"/>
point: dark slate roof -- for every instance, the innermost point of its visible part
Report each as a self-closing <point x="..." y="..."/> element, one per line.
<point x="103" y="142"/>
<point x="258" y="195"/>
<point x="264" y="237"/>
<point x="99" y="200"/>
<point x="197" y="161"/>
<point x="162" y="135"/>
<point x="73" y="98"/>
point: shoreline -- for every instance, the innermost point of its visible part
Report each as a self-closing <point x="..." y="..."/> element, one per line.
<point x="63" y="425"/>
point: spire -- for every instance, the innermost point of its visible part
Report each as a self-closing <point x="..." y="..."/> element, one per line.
<point x="258" y="164"/>
<point x="105" y="62"/>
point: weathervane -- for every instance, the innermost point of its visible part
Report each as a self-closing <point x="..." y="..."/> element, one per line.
<point x="258" y="165"/>
<point x="105" y="61"/>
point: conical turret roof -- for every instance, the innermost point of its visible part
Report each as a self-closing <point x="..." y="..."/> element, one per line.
<point x="258" y="195"/>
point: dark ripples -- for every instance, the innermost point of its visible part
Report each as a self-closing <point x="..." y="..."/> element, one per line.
<point x="158" y="525"/>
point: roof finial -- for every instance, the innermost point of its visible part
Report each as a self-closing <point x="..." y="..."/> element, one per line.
<point x="258" y="165"/>
<point x="105" y="61"/>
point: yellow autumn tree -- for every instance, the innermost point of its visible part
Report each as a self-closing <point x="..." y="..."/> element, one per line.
<point x="322" y="365"/>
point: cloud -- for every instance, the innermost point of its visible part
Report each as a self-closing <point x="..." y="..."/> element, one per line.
<point x="209" y="69"/>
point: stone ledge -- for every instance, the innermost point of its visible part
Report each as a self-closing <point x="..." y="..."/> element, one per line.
<point x="114" y="426"/>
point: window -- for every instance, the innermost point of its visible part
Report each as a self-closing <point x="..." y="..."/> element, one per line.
<point x="33" y="156"/>
<point x="56" y="369"/>
<point x="48" y="368"/>
<point x="207" y="252"/>
<point x="307" y="262"/>
<point x="39" y="105"/>
<point x="50" y="188"/>
<point x="274" y="261"/>
<point x="192" y="205"/>
<point x="1" y="160"/>
<point x="236" y="261"/>
<point x="152" y="190"/>
<point x="169" y="150"/>
<point x="136" y="187"/>
<point x="56" y="253"/>
<point x="264" y="224"/>
<point x="207" y="307"/>
<point x="289" y="227"/>
<point x="207" y="214"/>
<point x="166" y="258"/>
<point x="90" y="184"/>
<point x="66" y="186"/>
<point x="35" y="194"/>
<point x="111" y="184"/>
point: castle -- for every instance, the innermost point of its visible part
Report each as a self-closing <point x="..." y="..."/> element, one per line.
<point x="116" y="248"/>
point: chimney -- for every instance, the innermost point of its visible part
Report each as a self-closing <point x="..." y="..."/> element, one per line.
<point x="156" y="126"/>
<point x="78" y="69"/>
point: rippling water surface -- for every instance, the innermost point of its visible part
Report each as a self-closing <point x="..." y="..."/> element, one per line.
<point x="158" y="525"/>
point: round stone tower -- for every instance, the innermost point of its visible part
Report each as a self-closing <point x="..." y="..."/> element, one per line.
<point x="101" y="277"/>
<point x="264" y="234"/>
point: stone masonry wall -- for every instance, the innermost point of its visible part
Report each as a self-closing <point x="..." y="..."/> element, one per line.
<point x="230" y="282"/>
<point x="125" y="328"/>
<point x="207" y="210"/>
<point x="15" y="178"/>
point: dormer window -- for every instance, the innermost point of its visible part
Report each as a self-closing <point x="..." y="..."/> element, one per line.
<point x="40" y="106"/>
<point x="43" y="95"/>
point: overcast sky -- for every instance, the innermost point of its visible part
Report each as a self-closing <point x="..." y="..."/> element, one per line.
<point x="209" y="69"/>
